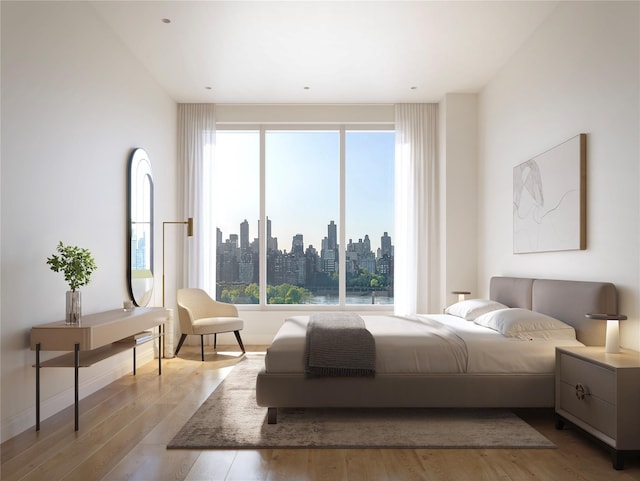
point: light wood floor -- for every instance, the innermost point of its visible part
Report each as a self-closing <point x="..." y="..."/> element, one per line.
<point x="125" y="427"/>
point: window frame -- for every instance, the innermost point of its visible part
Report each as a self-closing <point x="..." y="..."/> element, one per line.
<point x="341" y="128"/>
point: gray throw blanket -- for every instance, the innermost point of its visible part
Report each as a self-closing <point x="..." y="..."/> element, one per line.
<point x="338" y="344"/>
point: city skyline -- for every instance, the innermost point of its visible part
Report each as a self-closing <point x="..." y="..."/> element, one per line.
<point x="288" y="246"/>
<point x="299" y="274"/>
<point x="302" y="183"/>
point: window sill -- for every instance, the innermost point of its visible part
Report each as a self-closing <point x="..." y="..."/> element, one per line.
<point x="386" y="308"/>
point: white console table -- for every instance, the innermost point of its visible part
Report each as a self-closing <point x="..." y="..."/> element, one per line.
<point x="96" y="337"/>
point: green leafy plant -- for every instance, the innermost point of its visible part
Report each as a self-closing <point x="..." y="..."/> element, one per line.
<point x="75" y="263"/>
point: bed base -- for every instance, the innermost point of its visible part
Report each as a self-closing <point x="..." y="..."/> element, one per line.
<point x="281" y="390"/>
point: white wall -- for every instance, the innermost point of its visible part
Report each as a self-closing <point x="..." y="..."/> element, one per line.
<point x="74" y="103"/>
<point x="579" y="72"/>
<point x="458" y="175"/>
<point x="379" y="114"/>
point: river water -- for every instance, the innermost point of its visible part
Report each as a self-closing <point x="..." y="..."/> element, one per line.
<point x="352" y="299"/>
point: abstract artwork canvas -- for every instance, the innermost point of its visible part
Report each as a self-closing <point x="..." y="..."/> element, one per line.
<point x="549" y="199"/>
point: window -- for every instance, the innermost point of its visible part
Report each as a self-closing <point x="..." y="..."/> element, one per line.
<point x="236" y="197"/>
<point x="326" y="197"/>
<point x="302" y="187"/>
<point x="369" y="205"/>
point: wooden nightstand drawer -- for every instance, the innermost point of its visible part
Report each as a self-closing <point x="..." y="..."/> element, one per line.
<point x="588" y="408"/>
<point x="597" y="381"/>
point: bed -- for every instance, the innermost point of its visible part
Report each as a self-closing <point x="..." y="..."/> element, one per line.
<point x="495" y="371"/>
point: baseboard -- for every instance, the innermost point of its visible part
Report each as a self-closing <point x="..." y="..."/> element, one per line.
<point x="107" y="372"/>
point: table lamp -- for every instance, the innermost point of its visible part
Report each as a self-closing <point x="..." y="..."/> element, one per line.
<point x="612" y="344"/>
<point x="461" y="294"/>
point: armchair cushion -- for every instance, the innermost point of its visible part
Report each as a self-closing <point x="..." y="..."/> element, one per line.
<point x="212" y="325"/>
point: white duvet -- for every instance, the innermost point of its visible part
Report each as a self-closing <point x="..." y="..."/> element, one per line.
<point x="434" y="343"/>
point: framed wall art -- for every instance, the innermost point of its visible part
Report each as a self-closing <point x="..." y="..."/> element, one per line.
<point x="549" y="199"/>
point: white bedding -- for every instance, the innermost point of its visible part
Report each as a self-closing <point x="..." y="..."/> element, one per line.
<point x="434" y="343"/>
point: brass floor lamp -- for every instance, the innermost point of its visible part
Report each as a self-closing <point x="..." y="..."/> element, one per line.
<point x="189" y="224"/>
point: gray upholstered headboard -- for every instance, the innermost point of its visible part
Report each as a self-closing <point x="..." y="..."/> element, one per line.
<point x="568" y="301"/>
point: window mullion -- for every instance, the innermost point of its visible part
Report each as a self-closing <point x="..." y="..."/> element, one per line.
<point x="262" y="235"/>
<point x="342" y="256"/>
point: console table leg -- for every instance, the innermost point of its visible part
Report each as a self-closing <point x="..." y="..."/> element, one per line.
<point x="161" y="329"/>
<point x="38" y="387"/>
<point x="77" y="379"/>
<point x="134" y="360"/>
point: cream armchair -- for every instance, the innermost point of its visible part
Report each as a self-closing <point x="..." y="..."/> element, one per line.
<point x="201" y="315"/>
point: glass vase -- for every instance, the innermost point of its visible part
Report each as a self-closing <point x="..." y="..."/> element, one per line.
<point x="74" y="308"/>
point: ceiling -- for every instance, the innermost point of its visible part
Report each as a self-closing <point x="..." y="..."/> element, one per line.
<point x="322" y="51"/>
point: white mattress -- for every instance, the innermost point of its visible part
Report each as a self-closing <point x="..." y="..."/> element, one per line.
<point x="434" y="343"/>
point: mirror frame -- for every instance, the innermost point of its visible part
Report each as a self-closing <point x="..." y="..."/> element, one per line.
<point x="137" y="195"/>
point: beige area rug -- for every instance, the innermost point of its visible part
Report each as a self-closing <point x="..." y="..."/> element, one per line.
<point x="230" y="419"/>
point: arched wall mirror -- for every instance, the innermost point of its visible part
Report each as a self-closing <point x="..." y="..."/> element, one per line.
<point x="140" y="228"/>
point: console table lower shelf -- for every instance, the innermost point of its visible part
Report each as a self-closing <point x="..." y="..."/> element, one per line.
<point x="96" y="338"/>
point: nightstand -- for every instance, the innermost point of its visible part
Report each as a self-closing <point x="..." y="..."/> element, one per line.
<point x="600" y="393"/>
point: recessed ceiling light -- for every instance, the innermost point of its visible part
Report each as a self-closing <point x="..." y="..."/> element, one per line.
<point x="208" y="88"/>
<point x="414" y="88"/>
<point x="166" y="20"/>
<point x="307" y="88"/>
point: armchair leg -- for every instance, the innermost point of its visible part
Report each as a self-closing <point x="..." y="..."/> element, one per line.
<point x="215" y="341"/>
<point x="182" y="338"/>
<point x="239" y="339"/>
<point x="202" y="346"/>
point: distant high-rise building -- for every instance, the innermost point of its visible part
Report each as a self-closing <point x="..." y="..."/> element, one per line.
<point x="332" y="235"/>
<point x="385" y="245"/>
<point x="246" y="268"/>
<point x="255" y="246"/>
<point x="244" y="236"/>
<point x="297" y="244"/>
<point x="228" y="259"/>
<point x="368" y="262"/>
<point x="351" y="259"/>
<point x="233" y="240"/>
<point x="329" y="261"/>
<point x="385" y="264"/>
<point x="272" y="244"/>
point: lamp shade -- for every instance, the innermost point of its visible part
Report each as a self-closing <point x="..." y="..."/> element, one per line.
<point x="607" y="317"/>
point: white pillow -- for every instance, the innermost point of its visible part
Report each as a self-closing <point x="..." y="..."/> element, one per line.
<point x="472" y="308"/>
<point x="525" y="324"/>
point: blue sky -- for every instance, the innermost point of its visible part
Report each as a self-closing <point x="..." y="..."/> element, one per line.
<point x="303" y="185"/>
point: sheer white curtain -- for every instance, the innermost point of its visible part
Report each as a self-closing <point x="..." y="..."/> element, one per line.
<point x="416" y="268"/>
<point x="196" y="138"/>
